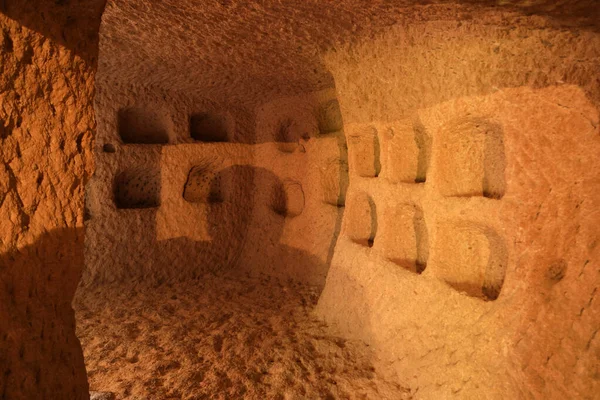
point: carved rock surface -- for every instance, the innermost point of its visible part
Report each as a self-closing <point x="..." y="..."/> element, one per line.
<point x="47" y="62"/>
<point x="432" y="166"/>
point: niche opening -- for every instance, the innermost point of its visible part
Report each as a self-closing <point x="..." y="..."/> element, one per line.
<point x="474" y="261"/>
<point x="287" y="199"/>
<point x="138" y="125"/>
<point x="205" y="127"/>
<point x="365" y="152"/>
<point x="109" y="148"/>
<point x="137" y="188"/>
<point x="203" y="185"/>
<point x="362" y="220"/>
<point x="408" y="244"/>
<point x="288" y="135"/>
<point x="473" y="159"/>
<point x="334" y="182"/>
<point x="329" y="117"/>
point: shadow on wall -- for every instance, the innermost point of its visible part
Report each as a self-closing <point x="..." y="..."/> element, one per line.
<point x="233" y="213"/>
<point x="40" y="356"/>
<point x="136" y="254"/>
<point x="263" y="250"/>
<point x="295" y="125"/>
<point x="224" y="201"/>
<point x="73" y="24"/>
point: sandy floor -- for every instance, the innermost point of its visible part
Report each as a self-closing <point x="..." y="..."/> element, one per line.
<point x="220" y="339"/>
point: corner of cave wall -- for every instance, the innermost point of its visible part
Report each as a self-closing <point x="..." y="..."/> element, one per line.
<point x="463" y="213"/>
<point x="301" y="160"/>
<point x="189" y="179"/>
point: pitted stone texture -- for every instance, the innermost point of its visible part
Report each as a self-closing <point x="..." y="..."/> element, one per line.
<point x="251" y="51"/>
<point x="470" y="58"/>
<point x="489" y="73"/>
<point x="46" y="135"/>
<point x="166" y="213"/>
<point x="535" y="247"/>
<point x="200" y="207"/>
<point x="296" y="242"/>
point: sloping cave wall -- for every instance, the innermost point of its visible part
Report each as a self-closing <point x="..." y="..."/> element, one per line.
<point x="47" y="61"/>
<point x="468" y="253"/>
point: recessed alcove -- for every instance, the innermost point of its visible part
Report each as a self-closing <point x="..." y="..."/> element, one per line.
<point x="209" y="127"/>
<point x="137" y="188"/>
<point x="287" y="135"/>
<point x="334" y="179"/>
<point x="407" y="146"/>
<point x="472" y="258"/>
<point x="365" y="152"/>
<point x="287" y="198"/>
<point x="204" y="184"/>
<point x="108" y="148"/>
<point x="299" y="200"/>
<point x="472" y="159"/>
<point x="329" y="117"/>
<point x="423" y="142"/>
<point x="141" y="125"/>
<point x="407" y="239"/>
<point x="361" y="225"/>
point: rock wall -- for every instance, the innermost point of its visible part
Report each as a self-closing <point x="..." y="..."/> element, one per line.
<point x="465" y="229"/>
<point x="155" y="186"/>
<point x="468" y="253"/>
<point x="255" y="51"/>
<point x="464" y="171"/>
<point x="298" y="205"/>
<point x="47" y="60"/>
<point x="199" y="186"/>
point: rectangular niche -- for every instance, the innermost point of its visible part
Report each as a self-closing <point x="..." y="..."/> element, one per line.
<point x="364" y="151"/>
<point x="204" y="185"/>
<point x="288" y="135"/>
<point x="334" y="181"/>
<point x="472" y="159"/>
<point x="407" y="150"/>
<point x="361" y="220"/>
<point x="209" y="127"/>
<point x="329" y="117"/>
<point x="137" y="188"/>
<point x="406" y="238"/>
<point x="287" y="198"/>
<point x="142" y="126"/>
<point x="471" y="258"/>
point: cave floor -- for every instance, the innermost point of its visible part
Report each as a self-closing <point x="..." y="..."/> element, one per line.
<point x="221" y="338"/>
